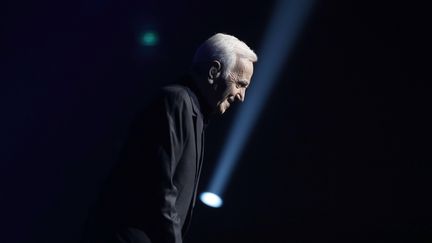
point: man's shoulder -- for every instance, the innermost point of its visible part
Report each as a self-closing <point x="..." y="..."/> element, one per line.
<point x="175" y="89"/>
<point x="175" y="92"/>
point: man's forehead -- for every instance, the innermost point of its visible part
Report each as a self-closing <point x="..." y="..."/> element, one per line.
<point x="244" y="67"/>
<point x="244" y="63"/>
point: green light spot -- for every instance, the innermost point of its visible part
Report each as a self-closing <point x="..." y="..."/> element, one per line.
<point x="149" y="38"/>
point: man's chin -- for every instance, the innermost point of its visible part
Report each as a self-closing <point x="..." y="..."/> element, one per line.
<point x="221" y="110"/>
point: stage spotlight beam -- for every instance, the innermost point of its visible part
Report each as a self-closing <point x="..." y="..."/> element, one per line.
<point x="284" y="29"/>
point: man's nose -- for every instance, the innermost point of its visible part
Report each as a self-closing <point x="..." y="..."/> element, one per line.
<point x="241" y="95"/>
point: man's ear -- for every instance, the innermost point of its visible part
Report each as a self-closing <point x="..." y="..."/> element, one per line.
<point x="214" y="72"/>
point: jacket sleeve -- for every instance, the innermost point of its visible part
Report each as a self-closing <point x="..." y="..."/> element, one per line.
<point x="169" y="151"/>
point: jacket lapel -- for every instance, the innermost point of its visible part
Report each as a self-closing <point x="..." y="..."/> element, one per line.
<point x="198" y="127"/>
<point x="199" y="136"/>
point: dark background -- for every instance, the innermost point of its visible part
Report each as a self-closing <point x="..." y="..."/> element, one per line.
<point x="341" y="152"/>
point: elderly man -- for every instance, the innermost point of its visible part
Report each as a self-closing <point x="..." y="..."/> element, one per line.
<point x="151" y="193"/>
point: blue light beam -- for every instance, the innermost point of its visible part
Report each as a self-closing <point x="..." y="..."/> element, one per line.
<point x="284" y="29"/>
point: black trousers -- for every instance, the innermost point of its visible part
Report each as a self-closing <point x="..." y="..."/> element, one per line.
<point x="103" y="234"/>
<point x="130" y="235"/>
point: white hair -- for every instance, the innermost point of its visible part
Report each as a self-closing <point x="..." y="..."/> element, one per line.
<point x="226" y="49"/>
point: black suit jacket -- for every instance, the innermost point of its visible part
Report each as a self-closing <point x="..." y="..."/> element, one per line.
<point x="151" y="193"/>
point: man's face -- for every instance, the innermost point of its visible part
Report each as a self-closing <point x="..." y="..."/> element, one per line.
<point x="233" y="88"/>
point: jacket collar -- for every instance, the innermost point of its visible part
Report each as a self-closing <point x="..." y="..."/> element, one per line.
<point x="199" y="105"/>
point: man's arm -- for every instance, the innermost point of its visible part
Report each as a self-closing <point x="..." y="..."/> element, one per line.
<point x="173" y="138"/>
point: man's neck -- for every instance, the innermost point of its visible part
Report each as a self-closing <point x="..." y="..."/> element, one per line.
<point x="201" y="91"/>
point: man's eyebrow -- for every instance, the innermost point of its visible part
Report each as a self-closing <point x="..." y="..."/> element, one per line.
<point x="244" y="83"/>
